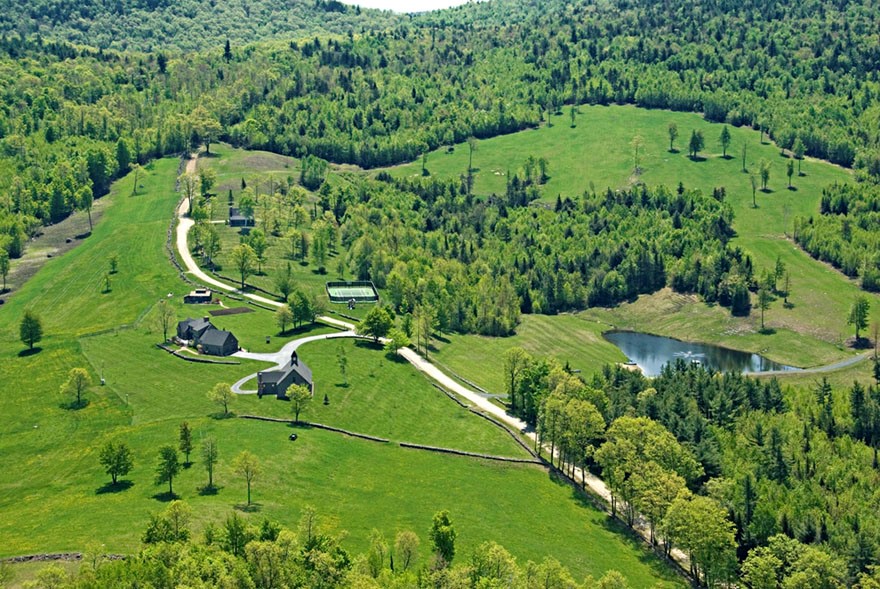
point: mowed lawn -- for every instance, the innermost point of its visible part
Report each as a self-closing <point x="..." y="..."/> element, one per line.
<point x="598" y="154"/>
<point x="568" y="338"/>
<point x="54" y="494"/>
<point x="385" y="397"/>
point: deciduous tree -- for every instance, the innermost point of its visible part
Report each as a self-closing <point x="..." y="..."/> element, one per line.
<point x="442" y="535"/>
<point x="186" y="441"/>
<point x="116" y="459"/>
<point x="283" y="318"/>
<point x="78" y="380"/>
<point x="858" y="314"/>
<point x="243" y="259"/>
<point x="210" y="455"/>
<point x="672" y="129"/>
<point x="376" y="323"/>
<point x="299" y="396"/>
<point x="30" y="329"/>
<point x="222" y="395"/>
<point x="725" y="141"/>
<point x="247" y="465"/>
<point x="167" y="467"/>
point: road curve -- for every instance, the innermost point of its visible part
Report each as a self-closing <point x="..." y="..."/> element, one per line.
<point x="595" y="484"/>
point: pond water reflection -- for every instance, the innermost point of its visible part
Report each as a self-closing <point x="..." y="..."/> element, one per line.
<point x="652" y="352"/>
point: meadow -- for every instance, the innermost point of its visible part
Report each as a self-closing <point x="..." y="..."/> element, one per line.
<point x="55" y="496"/>
<point x="597" y="154"/>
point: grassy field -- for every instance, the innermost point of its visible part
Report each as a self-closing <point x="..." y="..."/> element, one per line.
<point x="569" y="338"/>
<point x="54" y="495"/>
<point x="598" y="153"/>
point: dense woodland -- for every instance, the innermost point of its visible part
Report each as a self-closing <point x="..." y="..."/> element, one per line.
<point x="725" y="467"/>
<point x="386" y="97"/>
<point x="185" y="25"/>
<point x="846" y="232"/>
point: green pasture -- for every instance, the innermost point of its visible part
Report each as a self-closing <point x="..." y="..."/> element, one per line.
<point x="568" y="338"/>
<point x="379" y="396"/>
<point x="598" y="153"/>
<point x="54" y="494"/>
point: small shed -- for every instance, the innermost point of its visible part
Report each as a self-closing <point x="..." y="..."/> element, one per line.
<point x="198" y="296"/>
<point x="236" y="219"/>
<point x="218" y="342"/>
<point x="276" y="382"/>
<point x="192" y="329"/>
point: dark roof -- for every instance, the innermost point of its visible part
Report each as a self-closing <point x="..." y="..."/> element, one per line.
<point x="271" y="376"/>
<point x="300" y="368"/>
<point x="215" y="337"/>
<point x="195" y="324"/>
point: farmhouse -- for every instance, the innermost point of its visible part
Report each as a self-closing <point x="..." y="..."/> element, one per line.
<point x="236" y="219"/>
<point x="218" y="342"/>
<point x="192" y="329"/>
<point x="206" y="337"/>
<point x="199" y="295"/>
<point x="276" y="382"/>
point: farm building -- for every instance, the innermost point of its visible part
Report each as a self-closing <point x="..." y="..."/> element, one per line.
<point x="276" y="382"/>
<point x="209" y="339"/>
<point x="199" y="295"/>
<point x="217" y="342"/>
<point x="192" y="329"/>
<point x="236" y="219"/>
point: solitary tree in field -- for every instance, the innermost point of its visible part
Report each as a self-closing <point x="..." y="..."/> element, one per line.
<point x="299" y="396"/>
<point x="167" y="318"/>
<point x="397" y="339"/>
<point x="243" y="259"/>
<point x="222" y="395"/>
<point x="745" y="150"/>
<point x="472" y="147"/>
<point x="186" y="441"/>
<point x="858" y="314"/>
<point x="799" y="150"/>
<point x="754" y="180"/>
<point x="342" y="361"/>
<point x="637" y="144"/>
<point x="789" y="171"/>
<point x="116" y="460"/>
<point x="30" y="329"/>
<point x="725" y="141"/>
<point x="85" y="200"/>
<point x="167" y="467"/>
<point x="673" y="135"/>
<point x="4" y="266"/>
<point x="284" y="282"/>
<point x="696" y="143"/>
<point x="189" y="184"/>
<point x="248" y="466"/>
<point x="764" y="168"/>
<point x="78" y="380"/>
<point x="763" y="302"/>
<point x="210" y="454"/>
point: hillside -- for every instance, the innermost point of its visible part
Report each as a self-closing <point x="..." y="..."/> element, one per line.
<point x="186" y="25"/>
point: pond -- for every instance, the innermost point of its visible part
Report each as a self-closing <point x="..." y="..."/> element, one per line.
<point x="652" y="352"/>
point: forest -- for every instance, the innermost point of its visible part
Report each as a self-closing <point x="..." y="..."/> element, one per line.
<point x="845" y="232"/>
<point x="781" y="480"/>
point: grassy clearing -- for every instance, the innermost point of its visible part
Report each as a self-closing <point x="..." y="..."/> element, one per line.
<point x="598" y="153"/>
<point x="53" y="493"/>
<point x="569" y="338"/>
<point x="366" y="401"/>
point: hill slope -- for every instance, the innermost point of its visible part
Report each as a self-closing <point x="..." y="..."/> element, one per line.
<point x="189" y="25"/>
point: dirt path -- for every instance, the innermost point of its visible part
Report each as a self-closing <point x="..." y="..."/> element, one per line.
<point x="594" y="483"/>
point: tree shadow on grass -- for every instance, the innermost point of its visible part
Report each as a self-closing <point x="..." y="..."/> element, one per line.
<point x="673" y="150"/>
<point x="165" y="497"/>
<point x="368" y="344"/>
<point x="209" y="490"/>
<point x="252" y="508"/>
<point x="116" y="487"/>
<point x="221" y="415"/>
<point x="75" y="405"/>
<point x="767" y="331"/>
<point x="727" y="157"/>
<point x="767" y="190"/>
<point x="697" y="159"/>
<point x="792" y="188"/>
<point x="30" y="352"/>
